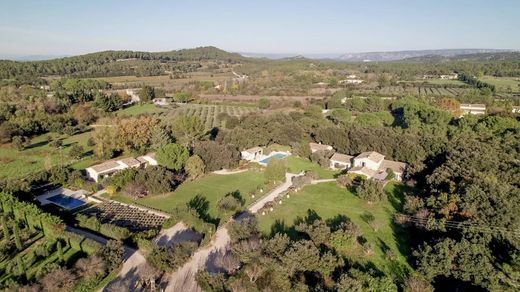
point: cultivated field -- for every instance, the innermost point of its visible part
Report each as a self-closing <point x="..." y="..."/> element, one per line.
<point x="503" y="84"/>
<point x="164" y="81"/>
<point x="208" y="113"/>
<point x="427" y="91"/>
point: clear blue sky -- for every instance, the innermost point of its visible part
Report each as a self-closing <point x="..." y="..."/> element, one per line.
<point x="283" y="26"/>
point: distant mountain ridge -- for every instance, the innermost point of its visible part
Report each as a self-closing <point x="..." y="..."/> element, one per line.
<point x="404" y="55"/>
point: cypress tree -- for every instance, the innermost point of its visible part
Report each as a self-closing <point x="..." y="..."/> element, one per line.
<point x="21" y="267"/>
<point x="5" y="228"/>
<point x="60" y="251"/>
<point x="17" y="240"/>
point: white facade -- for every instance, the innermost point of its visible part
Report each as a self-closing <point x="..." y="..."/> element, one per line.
<point x="252" y="154"/>
<point x="100" y="171"/>
<point x="367" y="162"/>
<point x="473" y="109"/>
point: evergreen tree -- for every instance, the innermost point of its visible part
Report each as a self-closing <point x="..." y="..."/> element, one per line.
<point x="60" y="251"/>
<point x="17" y="239"/>
<point x="5" y="228"/>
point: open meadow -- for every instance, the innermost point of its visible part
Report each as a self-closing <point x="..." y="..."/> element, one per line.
<point x="328" y="200"/>
<point x="39" y="155"/>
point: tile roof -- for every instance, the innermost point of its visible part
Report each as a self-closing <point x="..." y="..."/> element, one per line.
<point x="372" y="155"/>
<point x="105" y="166"/>
<point x="341" y="157"/>
<point x="130" y="161"/>
<point x="396" y="166"/>
<point x="319" y="147"/>
<point x="253" y="149"/>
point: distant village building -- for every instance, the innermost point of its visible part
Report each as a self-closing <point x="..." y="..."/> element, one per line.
<point x="452" y="76"/>
<point x="100" y="171"/>
<point x="473" y="109"/>
<point x="319" y="147"/>
<point x="516" y="109"/>
<point x="134" y="98"/>
<point x="162" y="101"/>
<point x="350" y="81"/>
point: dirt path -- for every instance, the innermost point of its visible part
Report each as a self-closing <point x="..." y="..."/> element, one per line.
<point x="227" y="172"/>
<point x="184" y="278"/>
<point x="135" y="262"/>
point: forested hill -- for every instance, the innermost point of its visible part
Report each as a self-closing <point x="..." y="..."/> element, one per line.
<point x="493" y="56"/>
<point x="109" y="63"/>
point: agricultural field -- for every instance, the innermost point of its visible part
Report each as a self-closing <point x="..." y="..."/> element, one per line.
<point x="428" y="91"/>
<point x="208" y="113"/>
<point x="212" y="186"/>
<point x="164" y="81"/>
<point x="38" y="155"/>
<point x="328" y="200"/>
<point x="503" y="84"/>
<point x="137" y="109"/>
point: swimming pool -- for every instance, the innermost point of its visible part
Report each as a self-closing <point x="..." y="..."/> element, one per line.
<point x="276" y="155"/>
<point x="66" y="202"/>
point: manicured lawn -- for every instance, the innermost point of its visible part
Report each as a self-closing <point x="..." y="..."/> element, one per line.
<point x="211" y="186"/>
<point x="329" y="200"/>
<point x="39" y="155"/>
<point x="296" y="165"/>
<point x="140" y="109"/>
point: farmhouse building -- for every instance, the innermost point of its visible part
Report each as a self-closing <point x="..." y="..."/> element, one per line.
<point x="473" y="109"/>
<point x="372" y="165"/>
<point x="319" y="147"/>
<point x="515" y="110"/>
<point x="252" y="154"/>
<point x="341" y="161"/>
<point x="100" y="171"/>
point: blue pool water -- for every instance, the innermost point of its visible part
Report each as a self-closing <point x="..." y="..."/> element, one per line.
<point x="66" y="202"/>
<point x="277" y="155"/>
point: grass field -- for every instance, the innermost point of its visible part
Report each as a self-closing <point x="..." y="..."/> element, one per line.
<point x="39" y="155"/>
<point x="329" y="200"/>
<point x="211" y="186"/>
<point x="503" y="83"/>
<point x="297" y="164"/>
<point x="141" y="109"/>
<point x="164" y="81"/>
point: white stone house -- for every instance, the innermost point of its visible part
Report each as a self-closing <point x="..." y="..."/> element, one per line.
<point x="373" y="165"/>
<point x="252" y="154"/>
<point x="100" y="171"/>
<point x="516" y="109"/>
<point x="341" y="161"/>
<point x="319" y="147"/>
<point x="473" y="109"/>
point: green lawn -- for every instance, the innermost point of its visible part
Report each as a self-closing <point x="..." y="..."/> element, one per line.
<point x="134" y="110"/>
<point x="329" y="200"/>
<point x="212" y="186"/>
<point x="503" y="83"/>
<point x="297" y="164"/>
<point x="39" y="155"/>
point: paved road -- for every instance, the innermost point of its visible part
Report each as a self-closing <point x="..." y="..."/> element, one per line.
<point x="184" y="278"/>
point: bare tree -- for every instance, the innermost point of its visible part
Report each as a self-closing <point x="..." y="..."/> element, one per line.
<point x="60" y="279"/>
<point x="254" y="271"/>
<point x="228" y="262"/>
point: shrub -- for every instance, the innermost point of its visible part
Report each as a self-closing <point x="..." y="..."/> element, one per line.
<point x="172" y="257"/>
<point x="370" y="190"/>
<point x="264" y="103"/>
<point x="275" y="170"/>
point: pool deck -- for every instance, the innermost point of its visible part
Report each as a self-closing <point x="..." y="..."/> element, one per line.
<point x="79" y="194"/>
